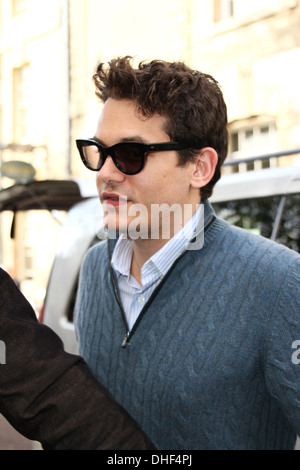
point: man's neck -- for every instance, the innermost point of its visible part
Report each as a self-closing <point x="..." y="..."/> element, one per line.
<point x="144" y="249"/>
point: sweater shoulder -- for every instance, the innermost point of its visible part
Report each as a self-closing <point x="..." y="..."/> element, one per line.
<point x="94" y="260"/>
<point x="246" y="247"/>
<point x="252" y="241"/>
<point x="92" y="273"/>
<point x="96" y="253"/>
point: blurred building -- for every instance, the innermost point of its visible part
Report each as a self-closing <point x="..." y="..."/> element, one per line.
<point x="33" y="125"/>
<point x="49" y="50"/>
<point x="253" y="49"/>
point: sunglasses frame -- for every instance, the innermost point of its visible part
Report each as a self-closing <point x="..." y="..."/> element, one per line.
<point x="110" y="151"/>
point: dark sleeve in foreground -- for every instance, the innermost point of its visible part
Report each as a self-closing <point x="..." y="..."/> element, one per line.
<point x="51" y="396"/>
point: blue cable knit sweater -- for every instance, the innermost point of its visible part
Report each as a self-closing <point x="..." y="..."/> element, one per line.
<point x="211" y="362"/>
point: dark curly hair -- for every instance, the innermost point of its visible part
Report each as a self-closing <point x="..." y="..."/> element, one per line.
<point x="191" y="101"/>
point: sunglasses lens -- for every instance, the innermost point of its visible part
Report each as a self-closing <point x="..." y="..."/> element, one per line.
<point x="93" y="156"/>
<point x="128" y="158"/>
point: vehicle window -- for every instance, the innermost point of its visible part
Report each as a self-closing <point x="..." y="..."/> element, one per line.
<point x="258" y="215"/>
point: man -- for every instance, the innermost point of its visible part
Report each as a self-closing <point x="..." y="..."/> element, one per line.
<point x="196" y="344"/>
<point x="49" y="395"/>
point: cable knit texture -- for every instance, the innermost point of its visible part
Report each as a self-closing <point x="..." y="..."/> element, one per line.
<point x="209" y="365"/>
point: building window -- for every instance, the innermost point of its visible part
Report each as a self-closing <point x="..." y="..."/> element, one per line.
<point x="20" y="103"/>
<point x="18" y="6"/>
<point x="242" y="8"/>
<point x="223" y="10"/>
<point x="254" y="141"/>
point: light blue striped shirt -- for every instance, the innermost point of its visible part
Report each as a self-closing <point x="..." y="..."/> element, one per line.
<point x="133" y="295"/>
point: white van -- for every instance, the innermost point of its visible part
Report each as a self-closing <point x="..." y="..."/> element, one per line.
<point x="81" y="230"/>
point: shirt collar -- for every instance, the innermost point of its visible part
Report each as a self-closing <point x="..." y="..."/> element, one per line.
<point x="122" y="254"/>
<point x="166" y="256"/>
<point x="162" y="259"/>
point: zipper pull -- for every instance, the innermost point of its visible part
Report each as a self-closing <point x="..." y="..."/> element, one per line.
<point x="125" y="339"/>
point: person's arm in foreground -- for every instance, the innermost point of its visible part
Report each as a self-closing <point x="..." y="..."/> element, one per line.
<point x="51" y="396"/>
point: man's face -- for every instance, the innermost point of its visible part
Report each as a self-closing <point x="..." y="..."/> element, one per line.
<point x="161" y="181"/>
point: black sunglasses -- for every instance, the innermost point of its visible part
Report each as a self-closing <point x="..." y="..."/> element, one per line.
<point x="129" y="157"/>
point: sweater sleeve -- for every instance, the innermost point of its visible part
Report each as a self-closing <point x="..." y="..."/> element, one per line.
<point x="282" y="341"/>
<point x="51" y="396"/>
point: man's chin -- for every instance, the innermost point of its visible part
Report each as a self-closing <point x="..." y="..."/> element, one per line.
<point x="114" y="226"/>
<point x="131" y="228"/>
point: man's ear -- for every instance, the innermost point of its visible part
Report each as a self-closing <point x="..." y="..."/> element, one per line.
<point x="205" y="165"/>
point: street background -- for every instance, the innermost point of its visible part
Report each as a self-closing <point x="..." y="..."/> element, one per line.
<point x="49" y="51"/>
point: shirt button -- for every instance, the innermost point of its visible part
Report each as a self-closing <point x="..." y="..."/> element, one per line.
<point x="141" y="299"/>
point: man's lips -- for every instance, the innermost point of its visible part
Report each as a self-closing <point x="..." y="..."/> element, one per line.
<point x="113" y="199"/>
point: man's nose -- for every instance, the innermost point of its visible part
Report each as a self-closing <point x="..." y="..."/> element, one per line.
<point x="109" y="172"/>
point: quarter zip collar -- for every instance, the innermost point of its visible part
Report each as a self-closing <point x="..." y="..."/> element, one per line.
<point x="195" y="244"/>
<point x="209" y="216"/>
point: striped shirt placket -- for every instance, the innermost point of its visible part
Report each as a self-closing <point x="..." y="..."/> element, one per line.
<point x="133" y="295"/>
